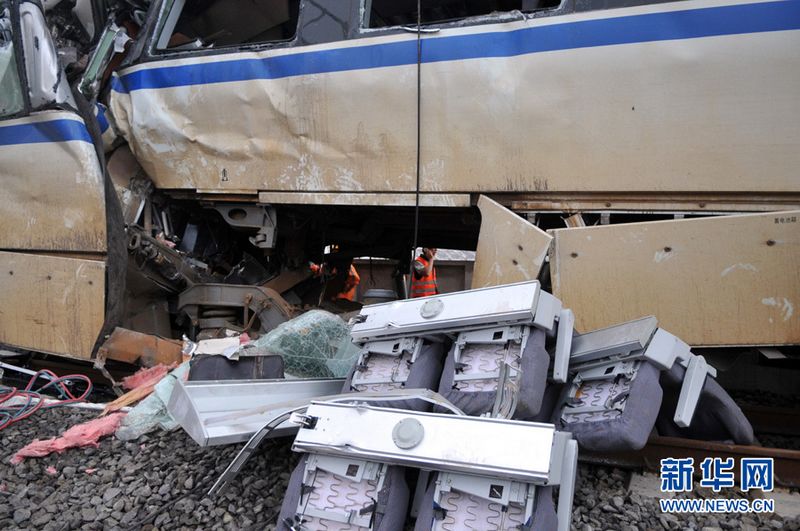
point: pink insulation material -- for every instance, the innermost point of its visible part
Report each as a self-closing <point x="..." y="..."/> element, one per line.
<point x="149" y="376"/>
<point x="85" y="434"/>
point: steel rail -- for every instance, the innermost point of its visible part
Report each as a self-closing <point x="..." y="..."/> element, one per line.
<point x="786" y="462"/>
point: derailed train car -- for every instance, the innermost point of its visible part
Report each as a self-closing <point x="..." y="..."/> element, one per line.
<point x="251" y="136"/>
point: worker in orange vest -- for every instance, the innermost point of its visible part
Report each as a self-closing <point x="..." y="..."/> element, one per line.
<point x="423" y="276"/>
<point x="348" y="291"/>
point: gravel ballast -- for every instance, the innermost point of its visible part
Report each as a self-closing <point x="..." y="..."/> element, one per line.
<point x="160" y="481"/>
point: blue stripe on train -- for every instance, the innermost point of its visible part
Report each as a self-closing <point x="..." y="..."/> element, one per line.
<point x="100" y="114"/>
<point x="687" y="24"/>
<point x="38" y="132"/>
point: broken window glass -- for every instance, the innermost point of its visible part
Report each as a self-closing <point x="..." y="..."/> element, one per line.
<point x="47" y="84"/>
<point x="201" y="24"/>
<point x="383" y="13"/>
<point x="11" y="97"/>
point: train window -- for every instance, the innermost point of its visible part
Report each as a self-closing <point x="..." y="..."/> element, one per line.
<point x="383" y="13"/>
<point x="11" y="96"/>
<point x="203" y="24"/>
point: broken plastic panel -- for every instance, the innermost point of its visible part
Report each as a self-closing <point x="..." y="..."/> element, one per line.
<point x="226" y="412"/>
<point x="111" y="41"/>
<point x="152" y="412"/>
<point x="47" y="83"/>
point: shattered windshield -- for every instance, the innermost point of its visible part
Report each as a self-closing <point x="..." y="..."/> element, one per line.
<point x="11" y="101"/>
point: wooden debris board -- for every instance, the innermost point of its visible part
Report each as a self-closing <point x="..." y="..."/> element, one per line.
<point x="718" y="281"/>
<point x="51" y="303"/>
<point x="510" y="249"/>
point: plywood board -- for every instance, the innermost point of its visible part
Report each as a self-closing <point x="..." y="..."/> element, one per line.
<point x="51" y="304"/>
<point x="730" y="280"/>
<point x="510" y="249"/>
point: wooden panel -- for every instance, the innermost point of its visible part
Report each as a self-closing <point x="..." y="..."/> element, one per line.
<point x="731" y="280"/>
<point x="51" y="304"/>
<point x="509" y="248"/>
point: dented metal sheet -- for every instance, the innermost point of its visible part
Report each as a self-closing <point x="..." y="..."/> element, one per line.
<point x="505" y="108"/>
<point x="51" y="303"/>
<point x="721" y="281"/>
<point x="510" y="249"/>
<point x="326" y="131"/>
<point x="56" y="203"/>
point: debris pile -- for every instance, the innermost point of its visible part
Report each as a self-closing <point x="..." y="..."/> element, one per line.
<point x="127" y="489"/>
<point x="411" y="427"/>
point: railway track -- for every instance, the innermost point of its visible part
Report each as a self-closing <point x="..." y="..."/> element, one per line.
<point x="765" y="420"/>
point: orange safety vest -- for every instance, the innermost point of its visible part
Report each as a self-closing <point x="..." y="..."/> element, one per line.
<point x="349" y="289"/>
<point x="424" y="286"/>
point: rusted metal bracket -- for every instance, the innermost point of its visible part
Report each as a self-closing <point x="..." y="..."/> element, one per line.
<point x="265" y="303"/>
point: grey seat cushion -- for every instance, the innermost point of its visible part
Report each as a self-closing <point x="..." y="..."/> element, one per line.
<point x="391" y="508"/>
<point x="630" y="428"/>
<point x="544" y="512"/>
<point x="550" y="404"/>
<point x="424" y="374"/>
<point x="717" y="417"/>
<point x="534" y="367"/>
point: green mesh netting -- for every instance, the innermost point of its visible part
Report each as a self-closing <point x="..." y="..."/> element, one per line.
<point x="314" y="345"/>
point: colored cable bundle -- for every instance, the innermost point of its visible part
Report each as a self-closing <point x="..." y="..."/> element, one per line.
<point x="34" y="400"/>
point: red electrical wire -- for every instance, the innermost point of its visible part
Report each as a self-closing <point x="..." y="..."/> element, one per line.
<point x="35" y="400"/>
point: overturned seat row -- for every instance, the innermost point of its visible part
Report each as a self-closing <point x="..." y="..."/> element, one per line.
<point x="510" y="377"/>
<point x="484" y="351"/>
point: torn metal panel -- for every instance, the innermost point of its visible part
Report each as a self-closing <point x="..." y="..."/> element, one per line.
<point x="510" y="249"/>
<point x="51" y="304"/>
<point x="327" y="131"/>
<point x="721" y="281"/>
<point x="341" y="119"/>
<point x="56" y="203"/>
<point x="130" y="182"/>
<point x="143" y="349"/>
